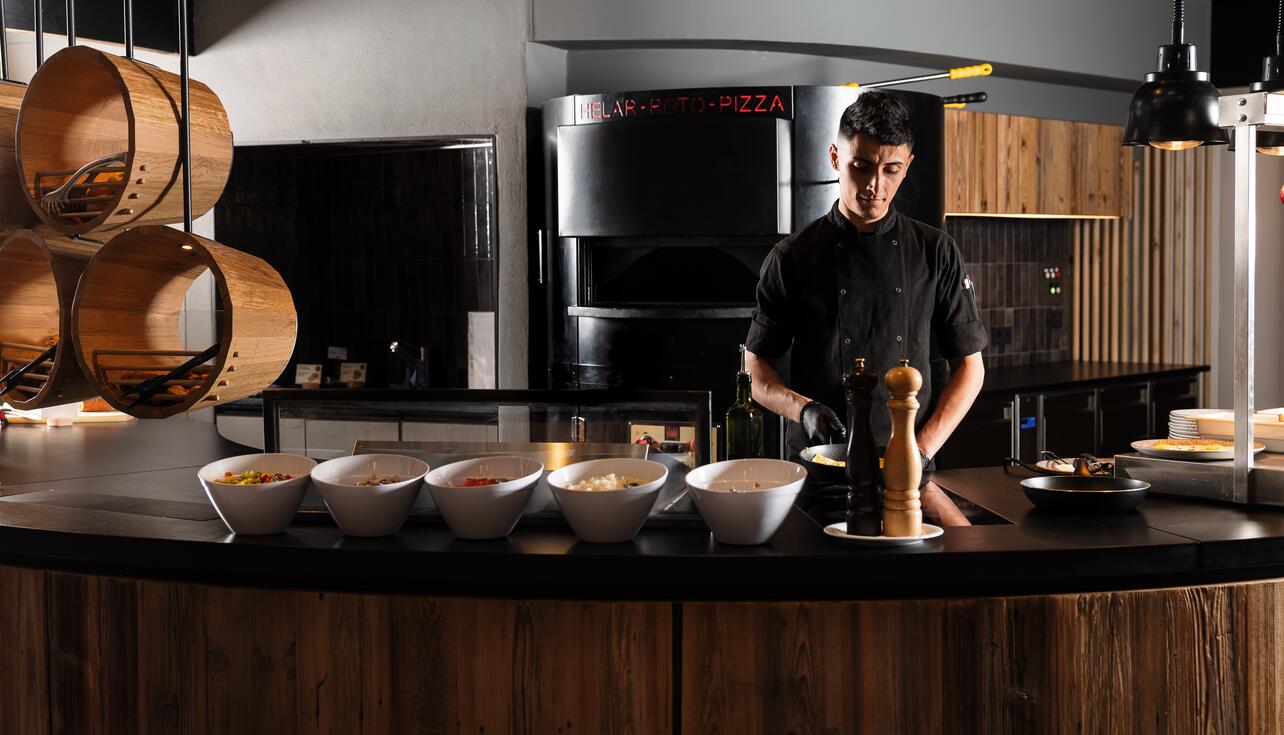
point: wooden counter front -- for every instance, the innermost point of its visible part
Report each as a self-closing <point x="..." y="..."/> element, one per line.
<point x="88" y="654"/>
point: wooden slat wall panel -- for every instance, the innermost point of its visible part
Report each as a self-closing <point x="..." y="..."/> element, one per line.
<point x="1141" y="283"/>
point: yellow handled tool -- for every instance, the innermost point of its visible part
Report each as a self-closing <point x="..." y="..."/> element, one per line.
<point x="961" y="72"/>
<point x="965" y="72"/>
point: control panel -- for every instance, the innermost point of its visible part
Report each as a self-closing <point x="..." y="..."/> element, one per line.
<point x="1050" y="286"/>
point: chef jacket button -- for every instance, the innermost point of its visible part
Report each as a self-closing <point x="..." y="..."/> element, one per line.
<point x="898" y="289"/>
<point x="842" y="292"/>
<point x="895" y="242"/>
<point x="849" y="340"/>
<point x="898" y="338"/>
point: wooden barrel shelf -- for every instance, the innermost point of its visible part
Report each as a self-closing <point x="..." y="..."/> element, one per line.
<point x="14" y="210"/>
<point x="39" y="271"/>
<point x="128" y="313"/>
<point x="98" y="143"/>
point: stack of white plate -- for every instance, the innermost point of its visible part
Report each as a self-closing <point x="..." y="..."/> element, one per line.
<point x="1182" y="424"/>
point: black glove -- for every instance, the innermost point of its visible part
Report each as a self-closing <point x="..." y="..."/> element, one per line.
<point x="821" y="424"/>
<point x="924" y="460"/>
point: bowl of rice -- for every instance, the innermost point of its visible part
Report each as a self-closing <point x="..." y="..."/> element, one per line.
<point x="606" y="501"/>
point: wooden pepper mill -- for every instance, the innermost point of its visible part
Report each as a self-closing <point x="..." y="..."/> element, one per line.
<point x="902" y="470"/>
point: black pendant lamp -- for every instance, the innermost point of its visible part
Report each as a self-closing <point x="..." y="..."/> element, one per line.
<point x="1270" y="142"/>
<point x="1176" y="108"/>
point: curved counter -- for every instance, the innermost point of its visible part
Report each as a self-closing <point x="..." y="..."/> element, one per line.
<point x="115" y="572"/>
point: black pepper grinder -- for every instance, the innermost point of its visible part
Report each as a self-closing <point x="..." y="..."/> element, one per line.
<point x="864" y="479"/>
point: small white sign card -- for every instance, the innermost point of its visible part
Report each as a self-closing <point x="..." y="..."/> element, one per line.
<point x="352" y="372"/>
<point x="307" y="376"/>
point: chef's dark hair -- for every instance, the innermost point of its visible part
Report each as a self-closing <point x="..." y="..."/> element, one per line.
<point x="880" y="116"/>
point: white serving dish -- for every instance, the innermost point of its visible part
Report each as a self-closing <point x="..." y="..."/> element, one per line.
<point x="608" y="516"/>
<point x="736" y="511"/>
<point x="257" y="510"/>
<point x="378" y="510"/>
<point x="1224" y="428"/>
<point x="488" y="511"/>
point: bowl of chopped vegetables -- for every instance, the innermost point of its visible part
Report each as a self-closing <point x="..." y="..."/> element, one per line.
<point x="257" y="494"/>
<point x="606" y="501"/>
<point x="370" y="494"/>
<point x="483" y="498"/>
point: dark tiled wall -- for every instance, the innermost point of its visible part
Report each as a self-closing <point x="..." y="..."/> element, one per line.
<point x="1006" y="258"/>
<point x="377" y="243"/>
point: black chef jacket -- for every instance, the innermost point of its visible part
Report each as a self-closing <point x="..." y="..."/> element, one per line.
<point x="833" y="294"/>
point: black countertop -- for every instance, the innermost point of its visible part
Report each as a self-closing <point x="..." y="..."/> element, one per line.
<point x="66" y="502"/>
<point x="1073" y="373"/>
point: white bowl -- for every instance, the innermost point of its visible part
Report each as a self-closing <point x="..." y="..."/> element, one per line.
<point x="378" y="510"/>
<point x="734" y="509"/>
<point x="257" y="510"/>
<point x="487" y="511"/>
<point x="608" y="516"/>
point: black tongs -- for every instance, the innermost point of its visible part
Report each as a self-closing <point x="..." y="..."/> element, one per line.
<point x="150" y="387"/>
<point x="11" y="378"/>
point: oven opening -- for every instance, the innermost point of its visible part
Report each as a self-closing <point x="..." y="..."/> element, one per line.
<point x="677" y="271"/>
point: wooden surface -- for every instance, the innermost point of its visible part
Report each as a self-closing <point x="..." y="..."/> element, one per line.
<point x="86" y="654"/>
<point x="113" y="311"/>
<point x="39" y="270"/>
<point x="24" y="677"/>
<point x="1142" y="287"/>
<point x="125" y="656"/>
<point x="1016" y="165"/>
<point x="1166" y="661"/>
<point x="84" y="104"/>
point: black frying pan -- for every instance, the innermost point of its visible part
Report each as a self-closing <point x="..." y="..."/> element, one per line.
<point x="822" y="473"/>
<point x="1076" y="494"/>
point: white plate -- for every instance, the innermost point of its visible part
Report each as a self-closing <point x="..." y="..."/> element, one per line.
<point x="1190" y="413"/>
<point x="1048" y="465"/>
<point x="1146" y="447"/>
<point x="839" y="531"/>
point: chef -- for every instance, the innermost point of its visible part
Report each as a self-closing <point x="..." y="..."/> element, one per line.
<point x="865" y="281"/>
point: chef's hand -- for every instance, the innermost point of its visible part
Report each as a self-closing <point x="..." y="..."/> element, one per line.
<point x="821" y="424"/>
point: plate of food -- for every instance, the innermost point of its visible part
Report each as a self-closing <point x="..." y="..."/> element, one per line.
<point x="1199" y="450"/>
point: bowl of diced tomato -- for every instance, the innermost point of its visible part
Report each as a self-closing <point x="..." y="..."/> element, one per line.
<point x="257" y="494"/>
<point x="483" y="498"/>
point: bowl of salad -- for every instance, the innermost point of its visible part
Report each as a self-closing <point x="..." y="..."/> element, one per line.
<point x="257" y="494"/>
<point x="483" y="498"/>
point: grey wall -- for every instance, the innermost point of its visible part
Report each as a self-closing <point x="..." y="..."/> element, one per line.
<point x="1109" y="38"/>
<point x="1269" y="365"/>
<point x="293" y="70"/>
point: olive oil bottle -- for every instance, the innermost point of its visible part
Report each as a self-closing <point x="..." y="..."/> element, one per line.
<point x="744" y="419"/>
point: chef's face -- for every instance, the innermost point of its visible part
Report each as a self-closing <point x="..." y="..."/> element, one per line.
<point x="869" y="175"/>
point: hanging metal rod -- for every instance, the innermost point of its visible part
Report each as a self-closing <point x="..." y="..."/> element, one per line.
<point x="71" y="22"/>
<point x="187" y="116"/>
<point x="40" y="33"/>
<point x="129" y="28"/>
